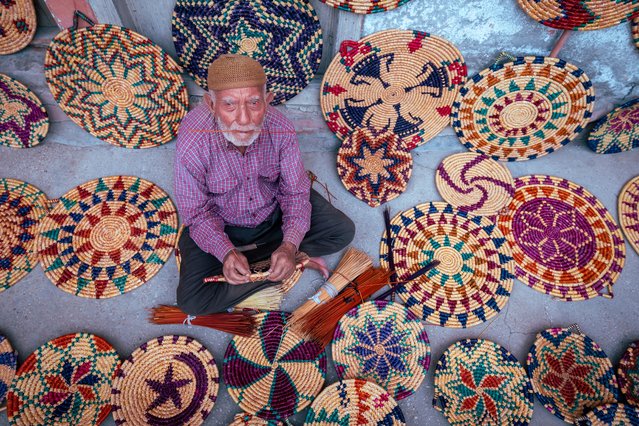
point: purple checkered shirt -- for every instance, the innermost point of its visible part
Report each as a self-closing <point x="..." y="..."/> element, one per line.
<point x="215" y="185"/>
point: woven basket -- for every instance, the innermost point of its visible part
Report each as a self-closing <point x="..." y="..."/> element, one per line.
<point x="474" y="279"/>
<point x="611" y="415"/>
<point x="374" y="167"/>
<point x="245" y="419"/>
<point x="618" y="131"/>
<point x="23" y="120"/>
<point x="365" y="6"/>
<point x="580" y="15"/>
<point x="284" y="36"/>
<point x="22" y="206"/>
<point x="17" y="25"/>
<point x="8" y="363"/>
<point x="354" y="402"/>
<point x="474" y="183"/>
<point x="628" y="374"/>
<point x="107" y="237"/>
<point x="67" y="381"/>
<point x="478" y="382"/>
<point x="564" y="240"/>
<point x="274" y="374"/>
<point x="628" y="210"/>
<point x="170" y="380"/>
<point x="400" y="81"/>
<point x="570" y="373"/>
<point x="635" y="31"/>
<point x="116" y="84"/>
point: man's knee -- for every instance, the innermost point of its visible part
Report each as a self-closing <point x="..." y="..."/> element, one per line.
<point x="193" y="300"/>
<point x="344" y="232"/>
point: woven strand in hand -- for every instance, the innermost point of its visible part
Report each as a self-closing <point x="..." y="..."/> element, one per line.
<point x="260" y="270"/>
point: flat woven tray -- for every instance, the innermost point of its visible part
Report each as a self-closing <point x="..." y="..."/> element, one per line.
<point x="107" y="236"/>
<point x="479" y="382"/>
<point x="635" y="31"/>
<point x="245" y="419"/>
<point x="8" y="364"/>
<point x="564" y="240"/>
<point x="474" y="279"/>
<point x="365" y="6"/>
<point x="67" y="381"/>
<point x="618" y="131"/>
<point x="170" y="380"/>
<point x="628" y="374"/>
<point x="116" y="84"/>
<point x="17" y="25"/>
<point x="400" y="81"/>
<point x="523" y="109"/>
<point x="23" y="120"/>
<point x="628" y="209"/>
<point x="611" y="415"/>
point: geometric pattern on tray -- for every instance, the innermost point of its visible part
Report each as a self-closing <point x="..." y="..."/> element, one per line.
<point x="107" y="236"/>
<point x="628" y="210"/>
<point x="635" y="31"/>
<point x="474" y="279"/>
<point x="8" y="363"/>
<point x="523" y="109"/>
<point x="618" y="131"/>
<point x="116" y="84"/>
<point x="612" y="415"/>
<point x="23" y="119"/>
<point x="480" y="382"/>
<point x="564" y="240"/>
<point x="365" y="6"/>
<point x="382" y="342"/>
<point x="628" y="374"/>
<point x="17" y="25"/>
<point x="245" y="419"/>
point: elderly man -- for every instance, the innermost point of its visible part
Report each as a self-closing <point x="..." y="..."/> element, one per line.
<point x="242" y="192"/>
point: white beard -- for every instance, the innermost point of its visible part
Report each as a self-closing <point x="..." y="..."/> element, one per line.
<point x="230" y="136"/>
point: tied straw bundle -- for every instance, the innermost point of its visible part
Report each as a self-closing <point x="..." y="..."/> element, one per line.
<point x="239" y="323"/>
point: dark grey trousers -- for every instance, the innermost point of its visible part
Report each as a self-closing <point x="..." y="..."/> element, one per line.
<point x="331" y="230"/>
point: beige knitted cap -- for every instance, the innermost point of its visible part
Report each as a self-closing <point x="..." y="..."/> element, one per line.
<point x="235" y="71"/>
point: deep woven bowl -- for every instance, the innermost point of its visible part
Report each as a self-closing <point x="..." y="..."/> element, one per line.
<point x="400" y="81"/>
<point x="17" y="25"/>
<point x="365" y="6"/>
<point x="564" y="240"/>
<point x="23" y="120"/>
<point x="479" y="382"/>
<point x="580" y="15"/>
<point x="284" y="36"/>
<point x="628" y="374"/>
<point x="611" y="415"/>
<point x="474" y="279"/>
<point x="8" y="364"/>
<point x="107" y="236"/>
<point x="22" y="206"/>
<point x="628" y="210"/>
<point x="618" y="131"/>
<point x="570" y="373"/>
<point x="67" y="381"/>
<point x="116" y="84"/>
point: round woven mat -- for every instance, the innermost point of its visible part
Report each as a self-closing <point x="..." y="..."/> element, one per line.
<point x="628" y="374"/>
<point x="17" y="25"/>
<point x="22" y="206"/>
<point x="474" y="279"/>
<point x="274" y="374"/>
<point x="570" y="373"/>
<point x="284" y="36"/>
<point x="479" y="382"/>
<point x="612" y="415"/>
<point x="116" y="84"/>
<point x="382" y="342"/>
<point x="67" y="381"/>
<point x="564" y="241"/>
<point x="107" y="236"/>
<point x="580" y="15"/>
<point x="400" y="81"/>
<point x="354" y="402"/>
<point x="365" y="6"/>
<point x="374" y="168"/>
<point x="628" y="209"/>
<point x="474" y="183"/>
<point x="170" y="380"/>
<point x="524" y="109"/>
<point x="8" y="363"/>
<point x="635" y="31"/>
<point x="23" y="120"/>
<point x="618" y="131"/>
<point x="245" y="419"/>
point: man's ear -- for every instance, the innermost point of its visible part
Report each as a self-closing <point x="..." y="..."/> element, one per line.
<point x="209" y="102"/>
<point x="269" y="97"/>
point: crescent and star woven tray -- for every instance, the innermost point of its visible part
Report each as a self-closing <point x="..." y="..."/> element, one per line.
<point x="23" y="120"/>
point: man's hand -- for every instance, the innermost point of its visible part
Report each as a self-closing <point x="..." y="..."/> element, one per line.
<point x="282" y="262"/>
<point x="236" y="268"/>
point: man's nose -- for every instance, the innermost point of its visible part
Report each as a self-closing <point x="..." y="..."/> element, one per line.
<point x="243" y="117"/>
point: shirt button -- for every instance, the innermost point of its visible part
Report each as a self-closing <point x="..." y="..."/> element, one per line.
<point x="250" y="198"/>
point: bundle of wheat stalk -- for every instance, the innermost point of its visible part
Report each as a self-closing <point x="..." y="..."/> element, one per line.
<point x="239" y="323"/>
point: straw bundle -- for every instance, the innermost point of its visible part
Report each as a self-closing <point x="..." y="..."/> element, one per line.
<point x="241" y="324"/>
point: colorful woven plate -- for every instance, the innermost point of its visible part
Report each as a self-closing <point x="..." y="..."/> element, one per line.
<point x="635" y="31"/>
<point x="365" y="6"/>
<point x="628" y="374"/>
<point x="354" y="402"/>
<point x="275" y="374"/>
<point x="524" y="109"/>
<point x="478" y="382"/>
<point x="284" y="36"/>
<point x="564" y="241"/>
<point x="116" y="84"/>
<point x="8" y="363"/>
<point x="611" y="415"/>
<point x="400" y="81"/>
<point x="374" y="167"/>
<point x="67" y="381"/>
<point x="245" y="419"/>
<point x="21" y="207"/>
<point x="382" y="342"/>
<point x="474" y="183"/>
<point x="618" y="131"/>
<point x="170" y="380"/>
<point x="474" y="279"/>
<point x="628" y="209"/>
<point x="107" y="236"/>
<point x="17" y="25"/>
<point x="580" y="15"/>
<point x="23" y="120"/>
<point x="570" y="373"/>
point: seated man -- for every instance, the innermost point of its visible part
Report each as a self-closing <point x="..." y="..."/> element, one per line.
<point x="243" y="194"/>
